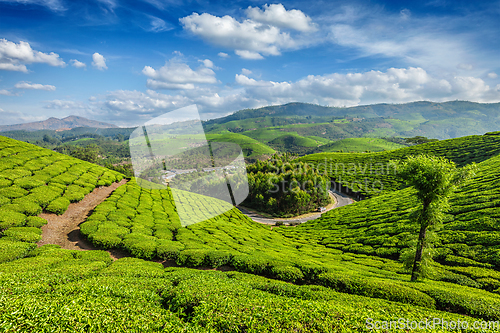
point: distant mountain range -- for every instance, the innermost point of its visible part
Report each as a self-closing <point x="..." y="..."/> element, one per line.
<point x="57" y="124"/>
<point x="435" y="120"/>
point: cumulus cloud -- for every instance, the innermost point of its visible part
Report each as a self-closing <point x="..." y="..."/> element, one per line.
<point x="15" y="56"/>
<point x="250" y="55"/>
<point x="54" y="5"/>
<point x="99" y="62"/>
<point x="77" y="64"/>
<point x="396" y="85"/>
<point x="277" y="15"/>
<point x="492" y="75"/>
<point x="207" y="63"/>
<point x="65" y="105"/>
<point x="256" y="36"/>
<point x="6" y="92"/>
<point x="34" y="86"/>
<point x="246" y="72"/>
<point x="223" y="55"/>
<point x="178" y="75"/>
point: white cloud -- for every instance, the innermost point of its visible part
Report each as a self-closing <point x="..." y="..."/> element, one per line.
<point x="6" y="92"/>
<point x="276" y="15"/>
<point x="178" y="75"/>
<point x="246" y="72"/>
<point x="65" y="105"/>
<point x="99" y="62"/>
<point x="159" y="25"/>
<point x="250" y="55"/>
<point x="54" y="5"/>
<point x="243" y="80"/>
<point x="34" y="86"/>
<point x="250" y="39"/>
<point x="438" y="43"/>
<point x="396" y="85"/>
<point x="14" y="57"/>
<point x="207" y="63"/>
<point x="223" y="55"/>
<point x="492" y="75"/>
<point x="16" y="117"/>
<point x="465" y="66"/>
<point x="77" y="64"/>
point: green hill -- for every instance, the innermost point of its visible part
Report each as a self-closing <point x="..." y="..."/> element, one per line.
<point x="373" y="173"/>
<point x="252" y="149"/>
<point x="33" y="180"/>
<point x="436" y="120"/>
<point x="327" y="275"/>
<point x="359" y="145"/>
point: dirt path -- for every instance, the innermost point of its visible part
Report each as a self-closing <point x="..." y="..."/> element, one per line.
<point x="64" y="229"/>
<point x="340" y="200"/>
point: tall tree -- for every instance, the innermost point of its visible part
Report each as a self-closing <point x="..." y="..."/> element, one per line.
<point x="434" y="178"/>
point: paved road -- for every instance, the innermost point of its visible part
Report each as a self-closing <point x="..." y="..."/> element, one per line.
<point x="341" y="200"/>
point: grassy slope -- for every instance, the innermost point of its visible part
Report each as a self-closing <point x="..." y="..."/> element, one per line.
<point x="469" y="242"/>
<point x="359" y="145"/>
<point x="251" y="148"/>
<point x="296" y="255"/>
<point x="33" y="179"/>
<point x="372" y="174"/>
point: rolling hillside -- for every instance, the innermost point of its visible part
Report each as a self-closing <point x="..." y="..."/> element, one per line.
<point x="372" y="173"/>
<point x="326" y="275"/>
<point x="434" y="120"/>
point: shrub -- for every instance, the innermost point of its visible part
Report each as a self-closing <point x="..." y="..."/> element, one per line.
<point x="29" y="182"/>
<point x="13" y="192"/>
<point x="286" y="273"/>
<point x="25" y="205"/>
<point x="24" y="234"/>
<point x="372" y="287"/>
<point x="4" y="200"/>
<point x="105" y="241"/>
<point x="11" y="249"/>
<point x="217" y="258"/>
<point x="10" y="219"/>
<point x="58" y="206"/>
<point x="251" y="264"/>
<point x="43" y="198"/>
<point x="96" y="255"/>
<point x="140" y="246"/>
<point x="74" y="193"/>
<point x="89" y="227"/>
<point x="310" y="271"/>
<point x="5" y="182"/>
<point x="168" y="249"/>
<point x="35" y="221"/>
<point x="191" y="258"/>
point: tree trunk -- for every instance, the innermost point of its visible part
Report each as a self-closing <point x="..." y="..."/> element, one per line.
<point x="420" y="245"/>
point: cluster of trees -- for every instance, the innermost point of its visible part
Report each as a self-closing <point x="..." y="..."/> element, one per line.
<point x="285" y="188"/>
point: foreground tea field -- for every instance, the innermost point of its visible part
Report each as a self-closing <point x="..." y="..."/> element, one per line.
<point x="75" y="291"/>
<point x="33" y="180"/>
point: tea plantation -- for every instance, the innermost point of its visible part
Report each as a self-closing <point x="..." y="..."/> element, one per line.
<point x="34" y="179"/>
<point x="326" y="275"/>
<point x="373" y="173"/>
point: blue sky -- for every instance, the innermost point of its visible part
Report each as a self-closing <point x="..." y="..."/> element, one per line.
<point x="126" y="62"/>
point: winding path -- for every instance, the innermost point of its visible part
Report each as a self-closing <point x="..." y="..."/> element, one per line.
<point x="64" y="229"/>
<point x="340" y="200"/>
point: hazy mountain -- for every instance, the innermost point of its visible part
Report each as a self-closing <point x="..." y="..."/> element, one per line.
<point x="57" y="124"/>
<point x="436" y="120"/>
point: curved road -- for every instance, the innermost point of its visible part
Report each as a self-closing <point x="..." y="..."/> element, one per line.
<point x="341" y="200"/>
